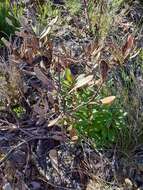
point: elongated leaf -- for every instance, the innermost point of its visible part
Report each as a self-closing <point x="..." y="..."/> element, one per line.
<point x="108" y="100"/>
<point x="6" y="43"/>
<point x="104" y="69"/>
<point x="53" y="154"/>
<point x="9" y="21"/>
<point x="54" y="121"/>
<point x="68" y="75"/>
<point x="47" y="30"/>
<point x="82" y="82"/>
<point x="126" y="49"/>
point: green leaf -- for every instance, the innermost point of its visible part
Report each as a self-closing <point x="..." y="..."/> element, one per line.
<point x="68" y="75"/>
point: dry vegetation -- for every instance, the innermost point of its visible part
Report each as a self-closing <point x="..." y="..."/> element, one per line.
<point x="71" y="103"/>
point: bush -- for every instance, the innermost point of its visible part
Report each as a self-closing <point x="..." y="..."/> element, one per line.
<point x="8" y="20"/>
<point x="97" y="120"/>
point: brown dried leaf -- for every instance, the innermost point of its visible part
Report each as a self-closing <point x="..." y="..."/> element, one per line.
<point x="54" y="121"/>
<point x="49" y="27"/>
<point x="108" y="100"/>
<point x="82" y="81"/>
<point x="97" y="50"/>
<point x="73" y="134"/>
<point x="96" y="82"/>
<point x="53" y="154"/>
<point x="126" y="49"/>
<point x="104" y="69"/>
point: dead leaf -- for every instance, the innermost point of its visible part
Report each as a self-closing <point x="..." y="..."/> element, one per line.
<point x="49" y="27"/>
<point x="97" y="50"/>
<point x="104" y="69"/>
<point x="54" y="121"/>
<point x="96" y="82"/>
<point x="108" y="100"/>
<point x="53" y="154"/>
<point x="82" y="82"/>
<point x="126" y="49"/>
<point x="73" y="134"/>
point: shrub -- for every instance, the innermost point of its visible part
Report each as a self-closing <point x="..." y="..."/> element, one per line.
<point x="8" y="21"/>
<point x="97" y="120"/>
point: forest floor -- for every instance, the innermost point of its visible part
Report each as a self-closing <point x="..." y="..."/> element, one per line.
<point x="37" y="153"/>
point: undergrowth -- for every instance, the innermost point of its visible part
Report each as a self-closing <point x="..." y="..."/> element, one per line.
<point x="88" y="115"/>
<point x="9" y="16"/>
<point x="101" y="100"/>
